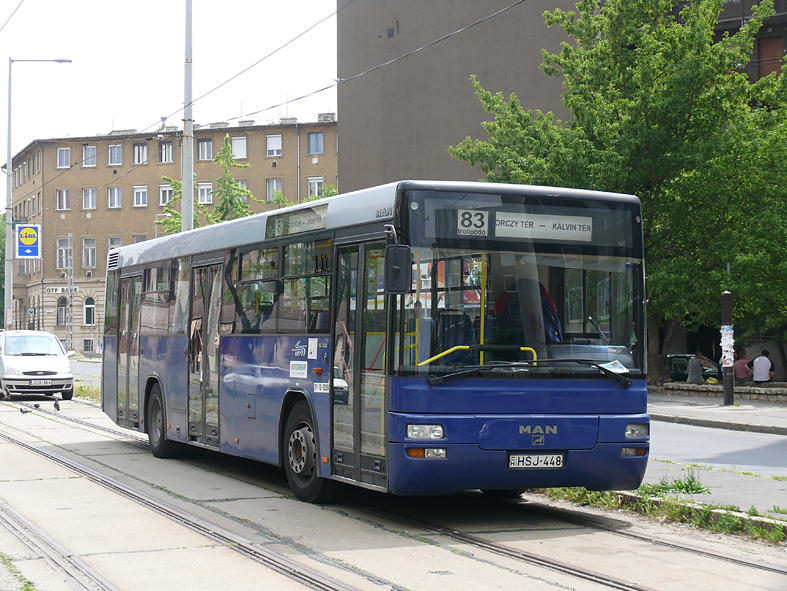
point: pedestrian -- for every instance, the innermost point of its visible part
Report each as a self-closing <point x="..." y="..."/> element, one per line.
<point x="742" y="372"/>
<point x="696" y="364"/>
<point x="761" y="368"/>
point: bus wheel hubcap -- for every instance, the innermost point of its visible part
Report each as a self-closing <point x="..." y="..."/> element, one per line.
<point x="301" y="451"/>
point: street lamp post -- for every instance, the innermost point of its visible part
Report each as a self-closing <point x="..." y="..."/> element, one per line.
<point x="9" y="207"/>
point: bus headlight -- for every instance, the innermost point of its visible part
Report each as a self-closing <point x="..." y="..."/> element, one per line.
<point x="637" y="430"/>
<point x="425" y="432"/>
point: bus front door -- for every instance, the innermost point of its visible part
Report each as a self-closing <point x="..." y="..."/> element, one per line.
<point x="360" y="431"/>
<point x="203" y="355"/>
<point x="128" y="353"/>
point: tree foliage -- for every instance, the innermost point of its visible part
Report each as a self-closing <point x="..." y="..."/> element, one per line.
<point x="660" y="109"/>
<point x="232" y="197"/>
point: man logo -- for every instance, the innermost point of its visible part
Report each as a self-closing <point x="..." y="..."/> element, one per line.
<point x="538" y="430"/>
<point x="538" y="440"/>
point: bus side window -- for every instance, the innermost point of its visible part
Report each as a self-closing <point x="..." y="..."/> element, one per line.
<point x="179" y="302"/>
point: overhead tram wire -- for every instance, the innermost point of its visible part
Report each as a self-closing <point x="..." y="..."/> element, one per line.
<point x="334" y="85"/>
<point x="12" y="16"/>
<point x="388" y="63"/>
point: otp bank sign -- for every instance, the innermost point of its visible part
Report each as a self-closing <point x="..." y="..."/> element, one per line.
<point x="28" y="241"/>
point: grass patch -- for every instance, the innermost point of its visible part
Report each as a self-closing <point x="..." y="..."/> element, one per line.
<point x="655" y="502"/>
<point x="9" y="565"/>
<point x="777" y="509"/>
<point x="92" y="393"/>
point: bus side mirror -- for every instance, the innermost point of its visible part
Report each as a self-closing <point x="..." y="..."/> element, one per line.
<point x="398" y="269"/>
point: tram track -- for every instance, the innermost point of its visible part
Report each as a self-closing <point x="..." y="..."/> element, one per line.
<point x="273" y="560"/>
<point x="475" y="540"/>
<point x="78" y="574"/>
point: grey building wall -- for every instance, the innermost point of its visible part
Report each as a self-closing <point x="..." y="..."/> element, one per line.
<point x="398" y="121"/>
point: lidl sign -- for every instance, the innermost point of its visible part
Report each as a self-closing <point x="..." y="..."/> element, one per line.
<point x="28" y="241"/>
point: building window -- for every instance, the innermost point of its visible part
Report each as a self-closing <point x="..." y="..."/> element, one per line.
<point x="89" y="315"/>
<point x="315" y="186"/>
<point x="140" y="153"/>
<point x="62" y="311"/>
<point x="88" y="155"/>
<point x="165" y="194"/>
<point x="23" y="267"/>
<point x="239" y="147"/>
<point x="245" y="185"/>
<point x="115" y="197"/>
<point x="205" y="149"/>
<point x="88" y="198"/>
<point x="116" y="154"/>
<point x="273" y="185"/>
<point x="63" y="253"/>
<point x="140" y="196"/>
<point x="87" y="344"/>
<point x="115" y="242"/>
<point x="63" y="157"/>
<point x="33" y="200"/>
<point x="166" y="152"/>
<point x="274" y="145"/>
<point x="138" y="239"/>
<point x="205" y="192"/>
<point x="89" y="253"/>
<point x="63" y="199"/>
<point x="315" y="143"/>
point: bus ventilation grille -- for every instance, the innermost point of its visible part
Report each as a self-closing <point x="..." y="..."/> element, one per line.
<point x="112" y="261"/>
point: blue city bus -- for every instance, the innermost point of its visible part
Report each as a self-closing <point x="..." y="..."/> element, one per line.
<point x="416" y="338"/>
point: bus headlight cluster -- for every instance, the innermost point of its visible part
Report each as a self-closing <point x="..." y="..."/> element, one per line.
<point x="637" y="430"/>
<point x="425" y="432"/>
<point x="426" y="453"/>
<point x="631" y="452"/>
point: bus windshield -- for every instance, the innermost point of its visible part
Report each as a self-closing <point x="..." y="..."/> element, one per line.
<point x="503" y="280"/>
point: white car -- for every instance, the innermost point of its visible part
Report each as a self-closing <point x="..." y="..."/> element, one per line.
<point x="34" y="362"/>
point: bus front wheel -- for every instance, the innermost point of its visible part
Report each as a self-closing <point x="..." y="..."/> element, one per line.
<point x="160" y="446"/>
<point x="300" y="462"/>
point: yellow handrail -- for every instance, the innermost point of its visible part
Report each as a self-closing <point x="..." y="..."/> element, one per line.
<point x="467" y="348"/>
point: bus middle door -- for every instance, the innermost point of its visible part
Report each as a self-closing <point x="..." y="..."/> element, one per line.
<point x="203" y="355"/>
<point x="360" y="434"/>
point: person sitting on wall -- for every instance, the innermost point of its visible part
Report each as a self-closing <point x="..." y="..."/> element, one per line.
<point x="696" y="364"/>
<point x="762" y="368"/>
<point x="742" y="372"/>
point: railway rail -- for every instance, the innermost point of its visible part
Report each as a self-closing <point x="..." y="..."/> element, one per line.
<point x="313" y="578"/>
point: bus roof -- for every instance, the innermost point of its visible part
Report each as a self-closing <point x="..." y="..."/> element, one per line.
<point x="375" y="204"/>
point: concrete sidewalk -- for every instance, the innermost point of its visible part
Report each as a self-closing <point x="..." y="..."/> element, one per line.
<point x="728" y="487"/>
<point x="708" y="411"/>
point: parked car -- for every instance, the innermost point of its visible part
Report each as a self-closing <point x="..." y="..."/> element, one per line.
<point x="341" y="392"/>
<point x="34" y="362"/>
<point x="678" y="368"/>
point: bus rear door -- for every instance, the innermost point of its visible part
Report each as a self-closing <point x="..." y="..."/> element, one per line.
<point x="128" y="353"/>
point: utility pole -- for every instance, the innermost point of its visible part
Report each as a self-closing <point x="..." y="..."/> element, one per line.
<point x="727" y="349"/>
<point x="70" y="288"/>
<point x="187" y="203"/>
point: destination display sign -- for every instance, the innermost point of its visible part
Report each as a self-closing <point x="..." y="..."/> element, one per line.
<point x="295" y="222"/>
<point x="543" y="227"/>
<point x="528" y="226"/>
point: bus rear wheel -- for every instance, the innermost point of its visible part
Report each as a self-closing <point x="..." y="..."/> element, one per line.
<point x="300" y="462"/>
<point x="160" y="446"/>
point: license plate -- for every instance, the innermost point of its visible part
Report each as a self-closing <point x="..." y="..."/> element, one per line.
<point x="40" y="382"/>
<point x="535" y="461"/>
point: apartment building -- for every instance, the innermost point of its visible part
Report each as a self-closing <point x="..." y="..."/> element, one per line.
<point x="90" y="194"/>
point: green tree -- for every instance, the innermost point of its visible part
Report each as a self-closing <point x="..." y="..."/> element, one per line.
<point x="172" y="224"/>
<point x="659" y="109"/>
<point x="233" y="198"/>
<point x="281" y="201"/>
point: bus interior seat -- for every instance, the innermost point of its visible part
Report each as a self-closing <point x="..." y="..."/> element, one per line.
<point x="320" y="323"/>
<point x="455" y="328"/>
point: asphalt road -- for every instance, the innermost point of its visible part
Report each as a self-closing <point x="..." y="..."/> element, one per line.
<point x="86" y="372"/>
<point x="759" y="453"/>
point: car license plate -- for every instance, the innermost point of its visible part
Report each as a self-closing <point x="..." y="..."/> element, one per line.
<point x="535" y="461"/>
<point x="40" y="382"/>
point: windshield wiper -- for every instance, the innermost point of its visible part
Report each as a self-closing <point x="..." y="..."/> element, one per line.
<point x="524" y="367"/>
<point x="515" y="369"/>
